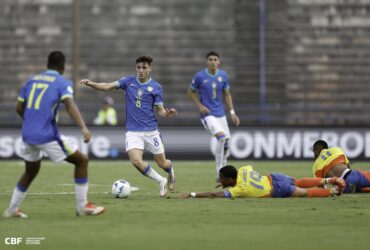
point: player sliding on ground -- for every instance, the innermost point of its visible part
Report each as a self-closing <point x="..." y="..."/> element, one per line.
<point x="38" y="105"/>
<point x="143" y="94"/>
<point x="247" y="183"/>
<point x="332" y="162"/>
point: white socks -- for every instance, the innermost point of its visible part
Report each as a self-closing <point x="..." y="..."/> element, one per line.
<point x="219" y="154"/>
<point x="152" y="174"/>
<point x="81" y="194"/>
<point x="16" y="200"/>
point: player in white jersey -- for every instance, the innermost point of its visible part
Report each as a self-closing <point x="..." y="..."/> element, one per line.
<point x="142" y="95"/>
<point x="213" y="85"/>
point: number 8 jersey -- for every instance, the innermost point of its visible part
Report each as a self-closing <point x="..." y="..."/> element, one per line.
<point x="42" y="95"/>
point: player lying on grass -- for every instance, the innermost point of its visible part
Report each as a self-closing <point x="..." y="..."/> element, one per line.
<point x="333" y="162"/>
<point x="247" y="183"/>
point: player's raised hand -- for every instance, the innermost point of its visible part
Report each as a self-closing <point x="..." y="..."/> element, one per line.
<point x="235" y="120"/>
<point x="86" y="82"/>
<point x="171" y="112"/>
<point x="86" y="135"/>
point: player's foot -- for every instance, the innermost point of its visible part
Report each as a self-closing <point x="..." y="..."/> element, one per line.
<point x="163" y="188"/>
<point x="16" y="214"/>
<point x="171" y="180"/>
<point x="90" y="209"/>
<point x="337" y="182"/>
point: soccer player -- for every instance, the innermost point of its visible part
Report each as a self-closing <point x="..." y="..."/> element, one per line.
<point x="213" y="85"/>
<point x="247" y="183"/>
<point x="332" y="162"/>
<point x="143" y="94"/>
<point x="38" y="105"/>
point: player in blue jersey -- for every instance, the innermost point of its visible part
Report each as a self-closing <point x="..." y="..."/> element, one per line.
<point x="143" y="94"/>
<point x="38" y="105"/>
<point x="212" y="84"/>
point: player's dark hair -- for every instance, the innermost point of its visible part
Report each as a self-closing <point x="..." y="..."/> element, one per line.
<point x="144" y="59"/>
<point x="320" y="144"/>
<point x="229" y="171"/>
<point x="56" y="60"/>
<point x="212" y="53"/>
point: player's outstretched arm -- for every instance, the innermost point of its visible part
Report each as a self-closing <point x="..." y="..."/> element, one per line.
<point x="169" y="112"/>
<point x="203" y="195"/>
<point x="75" y="114"/>
<point x="99" y="86"/>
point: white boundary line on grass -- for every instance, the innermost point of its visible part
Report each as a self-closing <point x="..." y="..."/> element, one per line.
<point x="133" y="189"/>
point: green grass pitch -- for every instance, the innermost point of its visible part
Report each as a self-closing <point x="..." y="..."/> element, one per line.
<point x="146" y="221"/>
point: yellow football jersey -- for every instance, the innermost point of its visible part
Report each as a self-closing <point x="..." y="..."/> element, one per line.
<point x="250" y="184"/>
<point x="327" y="159"/>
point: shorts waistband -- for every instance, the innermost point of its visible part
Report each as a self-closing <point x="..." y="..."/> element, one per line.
<point x="345" y="173"/>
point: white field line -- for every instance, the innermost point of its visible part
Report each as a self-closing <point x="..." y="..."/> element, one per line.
<point x="133" y="189"/>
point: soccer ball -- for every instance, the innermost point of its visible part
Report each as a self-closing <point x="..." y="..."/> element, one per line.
<point x="121" y="189"/>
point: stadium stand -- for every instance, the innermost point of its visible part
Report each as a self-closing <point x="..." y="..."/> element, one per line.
<point x="316" y="53"/>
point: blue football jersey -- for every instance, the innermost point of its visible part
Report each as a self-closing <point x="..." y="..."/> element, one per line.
<point x="210" y="90"/>
<point x="42" y="95"/>
<point x="140" y="101"/>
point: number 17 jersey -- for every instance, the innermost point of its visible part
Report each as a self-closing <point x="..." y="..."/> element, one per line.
<point x="42" y="95"/>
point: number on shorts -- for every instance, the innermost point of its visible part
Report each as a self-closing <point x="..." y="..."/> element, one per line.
<point x="156" y="142"/>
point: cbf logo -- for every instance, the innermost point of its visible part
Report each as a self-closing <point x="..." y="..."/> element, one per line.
<point x="138" y="98"/>
<point x="13" y="240"/>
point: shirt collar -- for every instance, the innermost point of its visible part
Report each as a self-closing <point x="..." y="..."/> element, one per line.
<point x="143" y="83"/>
<point x="211" y="74"/>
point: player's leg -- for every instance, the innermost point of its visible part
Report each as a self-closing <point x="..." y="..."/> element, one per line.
<point x="166" y="165"/>
<point x="32" y="156"/>
<point x="319" y="182"/>
<point x="225" y="127"/>
<point x="311" y="192"/>
<point x="214" y="126"/>
<point x="363" y="181"/>
<point x="82" y="185"/>
<point x="20" y="191"/>
<point x="154" y="144"/>
<point x="64" y="149"/>
<point x="136" y="157"/>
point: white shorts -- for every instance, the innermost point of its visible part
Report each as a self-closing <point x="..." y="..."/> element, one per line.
<point x="149" y="140"/>
<point x="216" y="125"/>
<point x="57" y="151"/>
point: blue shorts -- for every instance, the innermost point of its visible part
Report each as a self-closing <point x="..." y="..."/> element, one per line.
<point x="356" y="180"/>
<point x="283" y="185"/>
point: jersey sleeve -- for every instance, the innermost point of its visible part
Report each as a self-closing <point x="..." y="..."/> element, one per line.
<point x="226" y="84"/>
<point x="66" y="91"/>
<point x="22" y="94"/>
<point x="195" y="83"/>
<point x="158" y="97"/>
<point x="121" y="83"/>
<point x="234" y="192"/>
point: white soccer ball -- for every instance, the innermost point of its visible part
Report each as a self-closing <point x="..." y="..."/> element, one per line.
<point x="121" y="189"/>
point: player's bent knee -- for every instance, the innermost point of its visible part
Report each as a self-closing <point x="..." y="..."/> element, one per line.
<point x="220" y="136"/>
